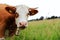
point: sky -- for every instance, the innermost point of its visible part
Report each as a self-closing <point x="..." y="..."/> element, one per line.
<point x="46" y="8"/>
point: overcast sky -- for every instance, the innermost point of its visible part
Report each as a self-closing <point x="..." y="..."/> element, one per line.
<point x="46" y="8"/>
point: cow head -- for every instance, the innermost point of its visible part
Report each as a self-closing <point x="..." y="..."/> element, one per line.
<point x="23" y="12"/>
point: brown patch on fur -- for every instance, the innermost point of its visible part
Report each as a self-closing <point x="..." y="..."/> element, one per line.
<point x="7" y="20"/>
<point x="11" y="26"/>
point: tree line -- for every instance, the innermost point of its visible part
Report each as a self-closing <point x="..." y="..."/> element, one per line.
<point x="42" y="18"/>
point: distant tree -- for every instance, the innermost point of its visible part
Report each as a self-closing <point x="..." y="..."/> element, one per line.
<point x="56" y="17"/>
<point x="59" y="17"/>
<point x="48" y="18"/>
<point x="53" y="17"/>
<point x="37" y="19"/>
<point x="41" y="18"/>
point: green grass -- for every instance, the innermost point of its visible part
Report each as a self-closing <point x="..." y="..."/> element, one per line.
<point x="40" y="30"/>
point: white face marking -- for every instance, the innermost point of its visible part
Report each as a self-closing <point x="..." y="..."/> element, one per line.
<point x="22" y="10"/>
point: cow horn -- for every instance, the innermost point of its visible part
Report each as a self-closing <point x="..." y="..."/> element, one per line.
<point x="36" y="8"/>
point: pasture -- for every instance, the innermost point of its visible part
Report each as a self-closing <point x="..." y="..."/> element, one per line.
<point x="40" y="30"/>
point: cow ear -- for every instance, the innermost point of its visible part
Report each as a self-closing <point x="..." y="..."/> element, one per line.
<point x="32" y="12"/>
<point x="11" y="9"/>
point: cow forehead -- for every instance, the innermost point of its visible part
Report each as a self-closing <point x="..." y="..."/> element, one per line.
<point x="22" y="9"/>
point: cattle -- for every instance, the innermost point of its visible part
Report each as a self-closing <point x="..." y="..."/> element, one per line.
<point x="14" y="18"/>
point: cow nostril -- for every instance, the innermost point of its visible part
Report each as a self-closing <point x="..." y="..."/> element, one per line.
<point x="23" y="23"/>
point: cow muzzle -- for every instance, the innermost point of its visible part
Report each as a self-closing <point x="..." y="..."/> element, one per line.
<point x="23" y="25"/>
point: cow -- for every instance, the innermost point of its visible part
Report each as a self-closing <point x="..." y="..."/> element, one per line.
<point x="14" y="18"/>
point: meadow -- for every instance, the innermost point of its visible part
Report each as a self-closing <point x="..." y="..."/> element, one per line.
<point x="40" y="30"/>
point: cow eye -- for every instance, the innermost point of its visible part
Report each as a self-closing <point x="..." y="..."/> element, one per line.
<point x="27" y="14"/>
<point x="16" y="15"/>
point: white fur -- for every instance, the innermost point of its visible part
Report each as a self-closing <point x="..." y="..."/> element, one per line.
<point x="2" y="38"/>
<point x="22" y="10"/>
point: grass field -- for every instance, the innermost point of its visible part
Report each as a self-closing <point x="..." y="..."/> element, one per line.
<point x="40" y="30"/>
